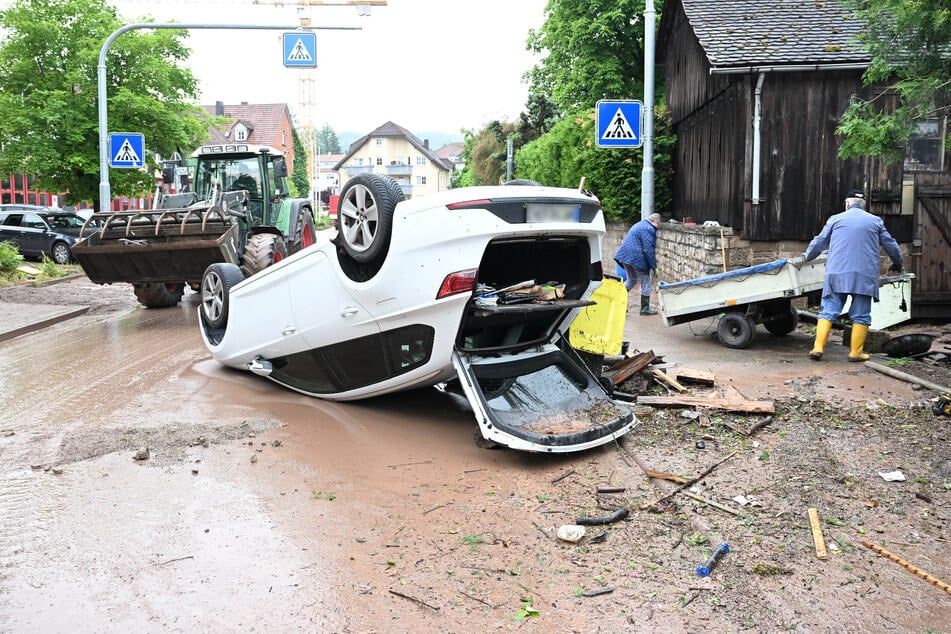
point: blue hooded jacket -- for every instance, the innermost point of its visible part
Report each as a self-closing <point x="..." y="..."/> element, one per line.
<point x="637" y="248"/>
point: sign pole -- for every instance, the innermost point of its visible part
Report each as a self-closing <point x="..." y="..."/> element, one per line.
<point x="105" y="191"/>
<point x="647" y="174"/>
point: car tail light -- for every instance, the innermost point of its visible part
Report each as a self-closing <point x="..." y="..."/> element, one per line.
<point x="458" y="282"/>
<point x="482" y="202"/>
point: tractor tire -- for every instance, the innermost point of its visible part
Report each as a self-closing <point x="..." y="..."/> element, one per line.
<point x="306" y="232"/>
<point x="159" y="295"/>
<point x="365" y="217"/>
<point x="261" y="251"/>
<point x="216" y="286"/>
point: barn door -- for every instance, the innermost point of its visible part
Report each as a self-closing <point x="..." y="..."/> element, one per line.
<point x="932" y="266"/>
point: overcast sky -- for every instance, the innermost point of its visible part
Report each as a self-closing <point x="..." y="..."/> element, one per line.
<point x="427" y="65"/>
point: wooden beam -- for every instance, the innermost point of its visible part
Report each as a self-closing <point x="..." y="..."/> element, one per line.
<point x="664" y="378"/>
<point x="727" y="405"/>
<point x="817" y="537"/>
<point x="626" y="368"/>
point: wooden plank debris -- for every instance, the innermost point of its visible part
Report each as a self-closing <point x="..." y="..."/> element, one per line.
<point x="692" y="375"/>
<point x="817" y="537"/>
<point x="915" y="570"/>
<point x="725" y="404"/>
<point x="664" y="378"/>
<point x="628" y="367"/>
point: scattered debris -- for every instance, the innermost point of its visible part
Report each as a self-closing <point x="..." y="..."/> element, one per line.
<point x="254" y="457"/>
<point x="690" y="375"/>
<point x="725" y="404"/>
<point x="892" y="476"/>
<point x="571" y="533"/>
<point x="716" y="505"/>
<point x="665" y="379"/>
<point x="898" y="374"/>
<point x="817" y="537"/>
<point x="707" y="568"/>
<point x="616" y="516"/>
<point x="142" y="453"/>
<point x="909" y="567"/>
<point x="664" y="476"/>
<point x="414" y="600"/>
<point x="688" y="483"/>
<point x="611" y="489"/>
<point x="633" y="363"/>
<point x="597" y="591"/>
<point x="764" y="569"/>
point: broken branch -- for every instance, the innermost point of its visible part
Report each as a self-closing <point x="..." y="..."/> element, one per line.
<point x="616" y="516"/>
<point x="690" y="482"/>
<point x="715" y="505"/>
<point x="414" y="600"/>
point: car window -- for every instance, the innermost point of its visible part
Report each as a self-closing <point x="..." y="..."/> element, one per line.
<point x="3" y="219"/>
<point x="33" y="221"/>
<point x="13" y="220"/>
<point x="65" y="222"/>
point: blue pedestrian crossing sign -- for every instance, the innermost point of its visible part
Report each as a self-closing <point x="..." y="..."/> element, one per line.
<point x="300" y="49"/>
<point x="127" y="149"/>
<point x="618" y="123"/>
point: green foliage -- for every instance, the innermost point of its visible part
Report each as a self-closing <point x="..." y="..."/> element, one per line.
<point x="50" y="269"/>
<point x="569" y="152"/>
<point x="10" y="257"/>
<point x="327" y="141"/>
<point x="594" y="49"/>
<point x="48" y="103"/>
<point x="908" y="43"/>
<point x="300" y="178"/>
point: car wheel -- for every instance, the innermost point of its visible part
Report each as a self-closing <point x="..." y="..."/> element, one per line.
<point x="216" y="285"/>
<point x="365" y="216"/>
<point x="306" y="232"/>
<point x="522" y="181"/>
<point x="159" y="295"/>
<point x="261" y="251"/>
<point x="60" y="252"/>
<point x="736" y="330"/>
<point x="785" y="324"/>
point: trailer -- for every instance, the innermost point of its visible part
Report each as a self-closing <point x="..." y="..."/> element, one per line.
<point x="763" y="294"/>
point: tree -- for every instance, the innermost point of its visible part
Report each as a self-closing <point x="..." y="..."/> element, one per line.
<point x="300" y="178"/>
<point x="48" y="94"/>
<point x="595" y="50"/>
<point x="908" y="43"/>
<point x="327" y="141"/>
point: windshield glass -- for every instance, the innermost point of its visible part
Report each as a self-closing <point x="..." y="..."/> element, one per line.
<point x="230" y="174"/>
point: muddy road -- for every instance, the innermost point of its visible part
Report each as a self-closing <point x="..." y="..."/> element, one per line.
<point x="261" y="509"/>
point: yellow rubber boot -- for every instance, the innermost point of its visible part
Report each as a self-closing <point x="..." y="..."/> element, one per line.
<point x="859" y="332"/>
<point x="823" y="326"/>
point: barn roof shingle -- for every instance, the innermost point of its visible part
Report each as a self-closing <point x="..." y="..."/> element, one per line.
<point x="740" y="33"/>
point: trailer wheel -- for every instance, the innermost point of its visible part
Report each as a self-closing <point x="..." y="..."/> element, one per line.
<point x="261" y="251"/>
<point x="159" y="294"/>
<point x="216" y="286"/>
<point x="365" y="216"/>
<point x="736" y="330"/>
<point x="784" y="324"/>
<point x="306" y="232"/>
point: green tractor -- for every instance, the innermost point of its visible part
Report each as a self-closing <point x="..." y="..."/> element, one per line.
<point x="232" y="206"/>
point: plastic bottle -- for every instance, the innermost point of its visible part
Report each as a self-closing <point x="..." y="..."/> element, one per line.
<point x="705" y="569"/>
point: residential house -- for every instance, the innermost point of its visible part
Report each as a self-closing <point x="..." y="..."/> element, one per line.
<point x="396" y="152"/>
<point x="755" y="90"/>
<point x="328" y="181"/>
<point x="451" y="153"/>
<point x="257" y="124"/>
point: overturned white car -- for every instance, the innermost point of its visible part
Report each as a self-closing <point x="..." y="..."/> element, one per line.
<point x="473" y="288"/>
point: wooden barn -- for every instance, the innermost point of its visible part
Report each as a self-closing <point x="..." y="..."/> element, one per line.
<point x="755" y="89"/>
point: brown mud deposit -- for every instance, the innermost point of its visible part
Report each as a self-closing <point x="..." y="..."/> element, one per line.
<point x="260" y="508"/>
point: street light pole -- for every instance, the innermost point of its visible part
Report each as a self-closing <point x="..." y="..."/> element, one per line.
<point x="647" y="174"/>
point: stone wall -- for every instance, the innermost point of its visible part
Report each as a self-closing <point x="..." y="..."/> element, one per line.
<point x="691" y="251"/>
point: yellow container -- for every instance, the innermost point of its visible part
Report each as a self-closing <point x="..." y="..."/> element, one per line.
<point x="599" y="329"/>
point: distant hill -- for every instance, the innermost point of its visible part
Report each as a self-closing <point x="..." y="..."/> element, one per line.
<point x="436" y="139"/>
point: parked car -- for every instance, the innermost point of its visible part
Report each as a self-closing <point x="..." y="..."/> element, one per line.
<point x="472" y="289"/>
<point x="39" y="231"/>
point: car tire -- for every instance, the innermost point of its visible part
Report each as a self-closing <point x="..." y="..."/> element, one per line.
<point x="523" y="181"/>
<point x="59" y="253"/>
<point x="736" y="330"/>
<point x="160" y="294"/>
<point x="216" y="286"/>
<point x="365" y="216"/>
<point x="305" y="234"/>
<point x="261" y="251"/>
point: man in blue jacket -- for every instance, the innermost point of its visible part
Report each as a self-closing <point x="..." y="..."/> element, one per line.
<point x="853" y="238"/>
<point x="636" y="255"/>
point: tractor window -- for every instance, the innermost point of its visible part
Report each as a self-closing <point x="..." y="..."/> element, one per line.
<point x="229" y="175"/>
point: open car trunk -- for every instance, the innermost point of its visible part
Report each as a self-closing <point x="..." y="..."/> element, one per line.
<point x="526" y="391"/>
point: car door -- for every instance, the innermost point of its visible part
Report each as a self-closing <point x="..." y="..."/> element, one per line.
<point x="542" y="399"/>
<point x="34" y="235"/>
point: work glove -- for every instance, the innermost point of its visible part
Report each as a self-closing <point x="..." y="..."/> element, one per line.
<point x="897" y="268"/>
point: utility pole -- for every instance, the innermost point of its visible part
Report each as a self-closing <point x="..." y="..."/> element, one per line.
<point x="647" y="174"/>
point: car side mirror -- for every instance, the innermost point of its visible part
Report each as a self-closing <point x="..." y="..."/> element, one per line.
<point x="168" y="174"/>
<point x="280" y="168"/>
